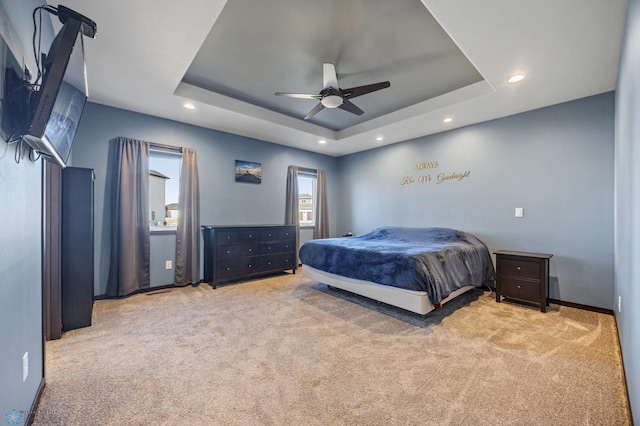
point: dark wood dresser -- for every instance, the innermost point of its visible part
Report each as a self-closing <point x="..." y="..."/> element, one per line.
<point x="523" y="275"/>
<point x="238" y="252"/>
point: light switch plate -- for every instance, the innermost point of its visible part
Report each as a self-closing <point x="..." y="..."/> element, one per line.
<point x="519" y="212"/>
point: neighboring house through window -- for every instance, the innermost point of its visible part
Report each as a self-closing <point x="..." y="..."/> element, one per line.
<point x="306" y="197"/>
<point x="164" y="188"/>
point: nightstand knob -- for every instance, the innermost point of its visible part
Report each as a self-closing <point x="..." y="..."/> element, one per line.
<point x="249" y="249"/>
<point x="518" y="268"/>
<point x="519" y="287"/>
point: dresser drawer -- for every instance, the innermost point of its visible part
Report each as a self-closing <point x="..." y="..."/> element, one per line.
<point x="276" y="247"/>
<point x="226" y="269"/>
<point x="277" y="262"/>
<point x="520" y="268"/>
<point x="236" y="251"/>
<point x="249" y="235"/>
<point x="270" y="235"/>
<point x="225" y="237"/>
<point x="287" y="234"/>
<point x="520" y="289"/>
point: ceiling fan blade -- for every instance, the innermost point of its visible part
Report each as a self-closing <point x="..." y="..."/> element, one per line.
<point x="350" y="106"/>
<point x="299" y="95"/>
<point x="363" y="90"/>
<point x="314" y="111"/>
<point x="329" y="77"/>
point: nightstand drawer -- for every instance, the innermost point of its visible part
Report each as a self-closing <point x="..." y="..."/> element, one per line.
<point x="520" y="268"/>
<point x="520" y="289"/>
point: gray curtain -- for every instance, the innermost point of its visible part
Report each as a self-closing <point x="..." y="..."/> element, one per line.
<point x="291" y="205"/>
<point x="321" y="212"/>
<point x="188" y="234"/>
<point x="129" y="267"/>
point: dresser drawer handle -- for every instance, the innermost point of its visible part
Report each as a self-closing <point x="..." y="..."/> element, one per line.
<point x="249" y="249"/>
<point x="228" y="269"/>
<point x="519" y="286"/>
<point x="268" y="263"/>
<point x="268" y="248"/>
<point x="228" y="237"/>
<point x="518" y="268"/>
<point x="228" y="251"/>
<point x="249" y="266"/>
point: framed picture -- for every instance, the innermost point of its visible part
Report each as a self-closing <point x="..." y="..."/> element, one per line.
<point x="248" y="172"/>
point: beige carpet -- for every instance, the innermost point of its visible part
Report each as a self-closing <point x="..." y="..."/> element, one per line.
<point x="286" y="351"/>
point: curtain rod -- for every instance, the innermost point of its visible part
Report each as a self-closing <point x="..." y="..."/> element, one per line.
<point x="307" y="170"/>
<point x="159" y="146"/>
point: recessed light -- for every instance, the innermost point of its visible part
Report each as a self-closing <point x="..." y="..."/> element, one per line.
<point x="515" y="78"/>
<point x="379" y="138"/>
<point x="448" y="120"/>
<point x="189" y="105"/>
<point x="322" y="141"/>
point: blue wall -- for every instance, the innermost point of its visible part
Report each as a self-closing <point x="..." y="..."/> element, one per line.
<point x="20" y="245"/>
<point x="223" y="201"/>
<point x="627" y="175"/>
<point x="556" y="163"/>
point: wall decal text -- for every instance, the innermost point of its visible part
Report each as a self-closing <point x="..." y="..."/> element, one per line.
<point x="439" y="178"/>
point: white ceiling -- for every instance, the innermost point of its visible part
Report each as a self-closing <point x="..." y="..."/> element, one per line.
<point x="568" y="49"/>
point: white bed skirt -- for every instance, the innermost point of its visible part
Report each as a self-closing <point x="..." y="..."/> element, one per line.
<point x="414" y="301"/>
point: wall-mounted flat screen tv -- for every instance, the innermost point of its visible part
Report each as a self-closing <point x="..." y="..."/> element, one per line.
<point x="61" y="98"/>
<point x="13" y="93"/>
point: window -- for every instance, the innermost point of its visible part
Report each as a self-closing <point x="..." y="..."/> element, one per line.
<point x="164" y="187"/>
<point x="306" y="195"/>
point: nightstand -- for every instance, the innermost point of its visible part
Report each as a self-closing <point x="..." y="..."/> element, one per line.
<point x="523" y="275"/>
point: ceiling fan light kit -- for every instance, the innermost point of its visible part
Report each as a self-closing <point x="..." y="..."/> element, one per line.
<point x="331" y="101"/>
<point x="331" y="96"/>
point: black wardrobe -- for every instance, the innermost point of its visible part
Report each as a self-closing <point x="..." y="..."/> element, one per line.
<point x="77" y="247"/>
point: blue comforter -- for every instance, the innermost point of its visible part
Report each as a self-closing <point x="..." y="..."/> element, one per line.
<point x="435" y="260"/>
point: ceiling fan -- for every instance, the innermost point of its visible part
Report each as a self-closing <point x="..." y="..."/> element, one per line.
<point x="332" y="96"/>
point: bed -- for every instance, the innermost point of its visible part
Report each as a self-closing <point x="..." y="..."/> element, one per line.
<point x="417" y="269"/>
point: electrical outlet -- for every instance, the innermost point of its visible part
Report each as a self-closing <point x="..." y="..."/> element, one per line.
<point x="519" y="212"/>
<point x="25" y="366"/>
<point x="619" y="303"/>
<point x="168" y="264"/>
